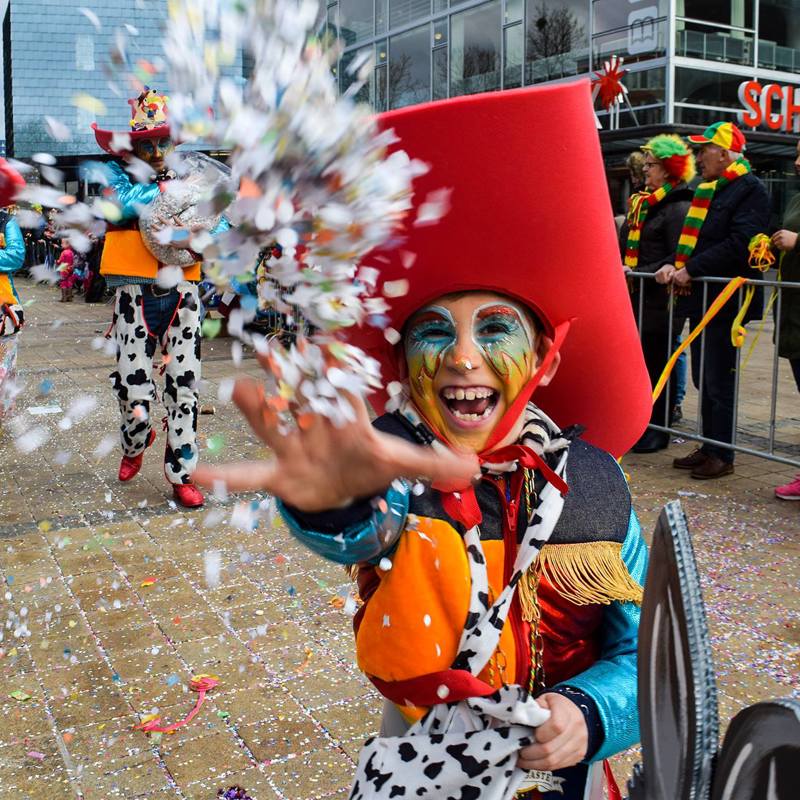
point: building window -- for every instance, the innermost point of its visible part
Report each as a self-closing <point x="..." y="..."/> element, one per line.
<point x="734" y="13"/>
<point x="381" y="16"/>
<point x="403" y="12"/>
<point x="410" y="67"/>
<point x="779" y="35"/>
<point x="348" y="76"/>
<point x="440" y="65"/>
<point x="610" y="15"/>
<point x="356" y="20"/>
<point x="646" y="87"/>
<point x="381" y="76"/>
<point x="513" y="54"/>
<point x="475" y="50"/>
<point x="728" y="36"/>
<point x="556" y="39"/>
<point x="709" y="88"/>
<point x="636" y="30"/>
<point x="84" y="53"/>
<point x="695" y="40"/>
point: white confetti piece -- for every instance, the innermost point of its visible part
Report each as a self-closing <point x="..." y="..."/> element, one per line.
<point x="212" y="561"/>
<point x="105" y="446"/>
<point x="40" y="411"/>
<point x="32" y="439"/>
<point x="57" y="129"/>
<point x="91" y="16"/>
<point x="397" y="288"/>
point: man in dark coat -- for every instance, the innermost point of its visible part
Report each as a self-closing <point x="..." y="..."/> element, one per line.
<point x="739" y="209"/>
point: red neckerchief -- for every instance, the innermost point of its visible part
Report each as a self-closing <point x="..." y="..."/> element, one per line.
<point x="463" y="506"/>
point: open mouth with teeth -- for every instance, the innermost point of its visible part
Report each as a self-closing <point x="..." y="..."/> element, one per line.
<point x="470" y="404"/>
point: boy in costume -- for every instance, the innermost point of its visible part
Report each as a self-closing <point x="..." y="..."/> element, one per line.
<point x="147" y="315"/>
<point x="502" y="302"/>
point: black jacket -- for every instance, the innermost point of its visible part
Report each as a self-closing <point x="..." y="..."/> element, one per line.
<point x="659" y="240"/>
<point x="738" y="212"/>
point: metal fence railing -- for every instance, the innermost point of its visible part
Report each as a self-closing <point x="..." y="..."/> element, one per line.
<point x="765" y="418"/>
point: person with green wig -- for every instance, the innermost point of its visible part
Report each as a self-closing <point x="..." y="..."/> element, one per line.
<point x="649" y="240"/>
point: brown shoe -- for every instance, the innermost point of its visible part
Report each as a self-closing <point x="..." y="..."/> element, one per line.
<point x="713" y="467"/>
<point x="695" y="459"/>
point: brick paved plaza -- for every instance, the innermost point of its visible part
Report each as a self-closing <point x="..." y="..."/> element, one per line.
<point x="109" y="612"/>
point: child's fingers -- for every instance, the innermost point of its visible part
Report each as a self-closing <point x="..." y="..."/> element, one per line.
<point x="248" y="395"/>
<point x="242" y="477"/>
<point x="413" y="461"/>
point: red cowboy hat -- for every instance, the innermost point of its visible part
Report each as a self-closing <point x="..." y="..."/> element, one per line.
<point x="530" y="218"/>
<point x="104" y="137"/>
<point x="148" y="121"/>
<point x="10" y="183"/>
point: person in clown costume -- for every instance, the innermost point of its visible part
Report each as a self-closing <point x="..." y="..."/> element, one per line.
<point x="148" y="316"/>
<point x="522" y="379"/>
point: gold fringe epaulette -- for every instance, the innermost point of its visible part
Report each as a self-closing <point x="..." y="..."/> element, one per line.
<point x="584" y="573"/>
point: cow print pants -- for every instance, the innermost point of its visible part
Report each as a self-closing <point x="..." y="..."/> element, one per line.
<point x="176" y="321"/>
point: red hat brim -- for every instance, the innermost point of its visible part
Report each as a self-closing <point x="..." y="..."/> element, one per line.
<point x="530" y="218"/>
<point x="104" y="137"/>
<point x="698" y="138"/>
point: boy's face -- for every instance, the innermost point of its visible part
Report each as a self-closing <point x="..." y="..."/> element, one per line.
<point x="468" y="356"/>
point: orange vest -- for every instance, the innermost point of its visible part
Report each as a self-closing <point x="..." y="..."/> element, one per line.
<point x="6" y="292"/>
<point x="125" y="254"/>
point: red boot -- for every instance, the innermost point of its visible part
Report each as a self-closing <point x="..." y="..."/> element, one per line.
<point x="187" y="495"/>
<point x="130" y="465"/>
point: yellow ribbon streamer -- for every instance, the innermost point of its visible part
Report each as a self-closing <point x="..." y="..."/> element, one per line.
<point x="761" y="257"/>
<point x="730" y="289"/>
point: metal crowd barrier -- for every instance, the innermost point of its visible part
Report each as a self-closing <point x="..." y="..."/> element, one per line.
<point x="760" y="439"/>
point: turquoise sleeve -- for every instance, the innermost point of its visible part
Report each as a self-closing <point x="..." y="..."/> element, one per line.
<point x="369" y="540"/>
<point x="611" y="681"/>
<point x="12" y="256"/>
<point x="130" y="196"/>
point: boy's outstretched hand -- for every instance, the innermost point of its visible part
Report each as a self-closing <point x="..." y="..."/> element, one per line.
<point x="561" y="741"/>
<point x="318" y="466"/>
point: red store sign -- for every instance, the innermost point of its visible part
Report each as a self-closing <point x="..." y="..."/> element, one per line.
<point x="770" y="105"/>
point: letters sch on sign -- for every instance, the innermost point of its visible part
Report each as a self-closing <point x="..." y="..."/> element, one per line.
<point x="770" y="105"/>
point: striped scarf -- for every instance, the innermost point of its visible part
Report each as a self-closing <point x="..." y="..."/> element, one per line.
<point x="638" y="207"/>
<point x="698" y="211"/>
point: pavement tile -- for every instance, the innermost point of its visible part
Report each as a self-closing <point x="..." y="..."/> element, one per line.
<point x="23" y="719"/>
<point x="80" y="708"/>
<point x="206" y="758"/>
<point x="134" y="639"/>
<point x="144" y="780"/>
<point x="288" y="735"/>
<point x="196" y="625"/>
<point x="314" y="775"/>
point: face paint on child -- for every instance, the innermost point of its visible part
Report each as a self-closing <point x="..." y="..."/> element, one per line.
<point x="504" y="336"/>
<point x="468" y="357"/>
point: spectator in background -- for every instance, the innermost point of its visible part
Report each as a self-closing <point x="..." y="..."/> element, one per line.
<point x="65" y="265"/>
<point x="728" y="209"/>
<point x="649" y="239"/>
<point x="635" y="164"/>
<point x="787" y="242"/>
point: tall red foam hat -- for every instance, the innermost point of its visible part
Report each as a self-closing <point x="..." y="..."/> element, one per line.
<point x="530" y="218"/>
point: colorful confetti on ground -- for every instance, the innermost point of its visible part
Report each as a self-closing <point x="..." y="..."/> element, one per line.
<point x="90" y="652"/>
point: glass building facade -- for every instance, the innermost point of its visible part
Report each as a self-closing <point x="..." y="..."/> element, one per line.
<point x="52" y="52"/>
<point x="686" y="57"/>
